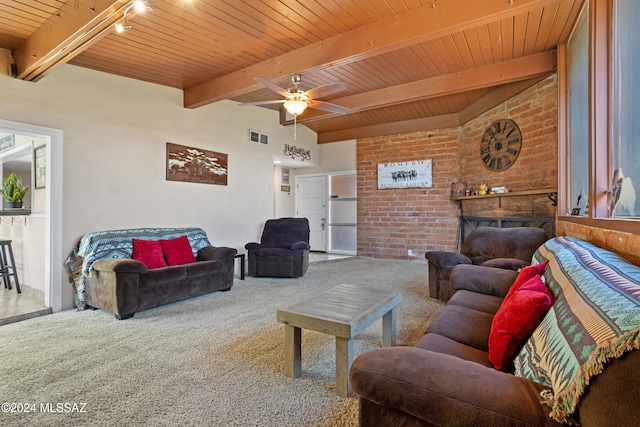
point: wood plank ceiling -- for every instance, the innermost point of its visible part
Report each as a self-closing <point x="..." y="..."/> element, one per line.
<point x="406" y="64"/>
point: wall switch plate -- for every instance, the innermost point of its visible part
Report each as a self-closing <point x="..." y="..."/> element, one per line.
<point x="410" y="252"/>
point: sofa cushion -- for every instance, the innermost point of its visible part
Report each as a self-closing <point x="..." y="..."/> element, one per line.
<point x="465" y="325"/>
<point x="491" y="242"/>
<point x="444" y="345"/>
<point x="525" y="274"/>
<point x="178" y="251"/>
<point x="518" y="316"/>
<point x="274" y="252"/>
<point x="481" y="302"/>
<point x="202" y="268"/>
<point x="148" y="252"/>
<point x="159" y="276"/>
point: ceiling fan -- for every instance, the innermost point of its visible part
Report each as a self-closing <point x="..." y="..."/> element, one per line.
<point x="297" y="100"/>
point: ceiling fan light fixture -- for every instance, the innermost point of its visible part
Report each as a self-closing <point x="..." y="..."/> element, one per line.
<point x="295" y="107"/>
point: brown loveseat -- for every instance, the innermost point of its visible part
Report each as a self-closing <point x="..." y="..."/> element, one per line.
<point x="104" y="276"/>
<point x="580" y="365"/>
<point x="509" y="248"/>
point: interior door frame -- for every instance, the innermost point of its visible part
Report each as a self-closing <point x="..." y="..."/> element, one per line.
<point x="324" y="214"/>
<point x="53" y="207"/>
<point x="326" y="175"/>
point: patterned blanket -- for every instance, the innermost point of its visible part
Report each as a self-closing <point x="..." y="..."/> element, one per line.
<point x="596" y="317"/>
<point x="119" y="244"/>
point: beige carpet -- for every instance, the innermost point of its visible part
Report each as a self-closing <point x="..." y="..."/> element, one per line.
<point x="209" y="361"/>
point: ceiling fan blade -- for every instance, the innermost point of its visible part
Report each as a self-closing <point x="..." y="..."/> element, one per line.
<point x="327" y="106"/>
<point x="279" y="101"/>
<point x="322" y="91"/>
<point x="271" y="85"/>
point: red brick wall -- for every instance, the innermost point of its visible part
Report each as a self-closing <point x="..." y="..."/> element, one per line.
<point x="393" y="221"/>
<point x="536" y="114"/>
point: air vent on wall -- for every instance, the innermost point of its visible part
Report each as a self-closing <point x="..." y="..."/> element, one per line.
<point x="258" y="138"/>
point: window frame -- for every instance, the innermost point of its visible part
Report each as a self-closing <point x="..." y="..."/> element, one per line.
<point x="600" y="38"/>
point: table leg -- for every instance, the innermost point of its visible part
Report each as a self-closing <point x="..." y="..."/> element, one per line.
<point x="242" y="257"/>
<point x="389" y="328"/>
<point x="344" y="359"/>
<point x="292" y="351"/>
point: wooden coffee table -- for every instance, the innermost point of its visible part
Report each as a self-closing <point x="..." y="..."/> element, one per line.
<point x="343" y="312"/>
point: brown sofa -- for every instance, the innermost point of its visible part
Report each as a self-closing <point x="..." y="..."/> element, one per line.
<point x="446" y="379"/>
<point x="104" y="276"/>
<point x="509" y="248"/>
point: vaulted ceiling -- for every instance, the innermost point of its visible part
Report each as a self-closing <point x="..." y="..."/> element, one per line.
<point x="406" y="64"/>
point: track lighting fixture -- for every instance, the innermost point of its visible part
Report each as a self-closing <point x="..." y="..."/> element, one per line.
<point x="142" y="6"/>
<point x="121" y="27"/>
<point x="135" y="6"/>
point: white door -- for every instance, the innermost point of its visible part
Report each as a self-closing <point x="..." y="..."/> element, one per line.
<point x="311" y="201"/>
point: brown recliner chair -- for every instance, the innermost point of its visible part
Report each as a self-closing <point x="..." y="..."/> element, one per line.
<point x="283" y="250"/>
<point x="509" y="248"/>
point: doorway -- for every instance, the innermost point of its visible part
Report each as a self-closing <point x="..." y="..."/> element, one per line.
<point x="50" y="210"/>
<point x="311" y="196"/>
<point x="329" y="202"/>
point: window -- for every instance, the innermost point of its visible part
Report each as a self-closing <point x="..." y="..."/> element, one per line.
<point x="625" y="109"/>
<point x="600" y="117"/>
<point x="578" y="114"/>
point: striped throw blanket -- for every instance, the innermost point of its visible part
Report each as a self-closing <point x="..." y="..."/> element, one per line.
<point x="596" y="317"/>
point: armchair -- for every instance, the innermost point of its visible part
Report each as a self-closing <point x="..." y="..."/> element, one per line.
<point x="508" y="248"/>
<point x="283" y="250"/>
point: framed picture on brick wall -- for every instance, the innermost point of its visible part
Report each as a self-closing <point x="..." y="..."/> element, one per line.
<point x="414" y="173"/>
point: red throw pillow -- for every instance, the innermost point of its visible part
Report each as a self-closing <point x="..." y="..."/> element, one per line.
<point x="178" y="251"/>
<point x="525" y="274"/>
<point x="516" y="320"/>
<point x="148" y="252"/>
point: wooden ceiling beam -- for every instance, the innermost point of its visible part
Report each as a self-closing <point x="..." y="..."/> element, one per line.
<point x="416" y="26"/>
<point x="523" y="68"/>
<point x="496" y="97"/>
<point x="493" y="99"/>
<point x="405" y="126"/>
<point x="76" y="26"/>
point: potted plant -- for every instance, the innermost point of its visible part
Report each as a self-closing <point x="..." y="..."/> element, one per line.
<point x="13" y="191"/>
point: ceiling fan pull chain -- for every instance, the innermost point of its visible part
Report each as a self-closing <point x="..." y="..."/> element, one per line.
<point x="295" y="123"/>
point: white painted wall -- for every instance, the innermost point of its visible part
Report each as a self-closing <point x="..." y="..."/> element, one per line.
<point x="335" y="157"/>
<point x="284" y="200"/>
<point x="115" y="133"/>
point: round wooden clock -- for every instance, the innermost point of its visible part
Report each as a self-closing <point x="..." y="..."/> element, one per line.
<point x="500" y="145"/>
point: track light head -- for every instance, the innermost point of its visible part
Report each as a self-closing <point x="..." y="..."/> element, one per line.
<point x="121" y="28"/>
<point x="142" y="6"/>
<point x="139" y="6"/>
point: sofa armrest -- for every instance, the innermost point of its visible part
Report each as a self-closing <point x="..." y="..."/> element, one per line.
<point x="253" y="246"/>
<point x="484" y="280"/>
<point x="120" y="265"/>
<point x="300" y="245"/>
<point x="445" y="390"/>
<point x="444" y="259"/>
<point x="506" y="263"/>
<point x="211" y="253"/>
